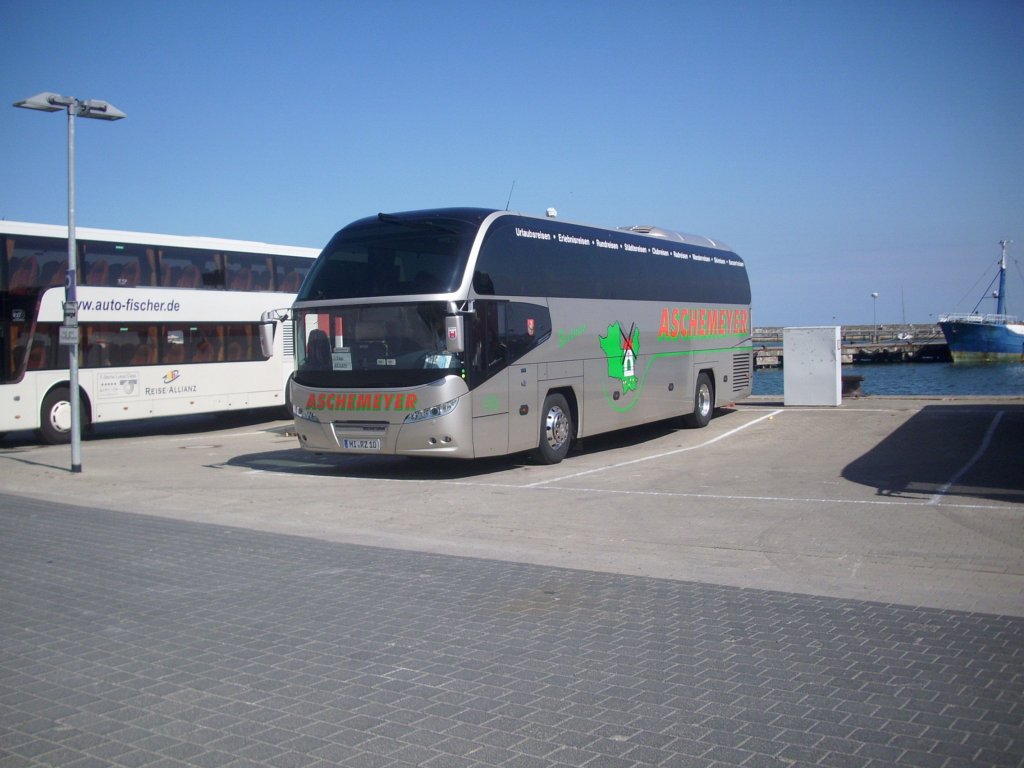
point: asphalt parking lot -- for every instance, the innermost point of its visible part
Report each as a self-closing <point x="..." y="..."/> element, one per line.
<point x="835" y="587"/>
<point x="901" y="500"/>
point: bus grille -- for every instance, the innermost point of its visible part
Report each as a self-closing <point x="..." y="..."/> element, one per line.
<point x="742" y="365"/>
<point x="288" y="338"/>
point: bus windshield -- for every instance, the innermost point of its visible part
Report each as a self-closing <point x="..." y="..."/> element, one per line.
<point x="392" y="256"/>
<point x="374" y="345"/>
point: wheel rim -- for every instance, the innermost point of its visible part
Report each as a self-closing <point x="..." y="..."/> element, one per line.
<point x="60" y="416"/>
<point x="704" y="401"/>
<point x="556" y="428"/>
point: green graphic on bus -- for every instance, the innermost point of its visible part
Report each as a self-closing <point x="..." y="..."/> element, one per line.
<point x="621" y="349"/>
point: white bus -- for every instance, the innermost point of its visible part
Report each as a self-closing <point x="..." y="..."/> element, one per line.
<point x="168" y="325"/>
<point x="467" y="332"/>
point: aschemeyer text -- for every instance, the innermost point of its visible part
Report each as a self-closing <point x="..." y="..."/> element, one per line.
<point x="365" y="401"/>
<point x="688" y="322"/>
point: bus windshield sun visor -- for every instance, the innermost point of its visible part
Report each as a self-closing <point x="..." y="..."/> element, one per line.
<point x="390" y="218"/>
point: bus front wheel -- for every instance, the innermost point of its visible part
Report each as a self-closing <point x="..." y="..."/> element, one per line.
<point x="556" y="430"/>
<point x="55" y="416"/>
<point x="703" y="403"/>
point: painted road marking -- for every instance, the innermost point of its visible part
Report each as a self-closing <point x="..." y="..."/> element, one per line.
<point x="655" y="456"/>
<point x="985" y="442"/>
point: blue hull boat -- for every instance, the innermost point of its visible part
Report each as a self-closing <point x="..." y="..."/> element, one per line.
<point x="980" y="338"/>
<point x="984" y="338"/>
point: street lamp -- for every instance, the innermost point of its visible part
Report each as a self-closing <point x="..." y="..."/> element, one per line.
<point x="874" y="322"/>
<point x="100" y="110"/>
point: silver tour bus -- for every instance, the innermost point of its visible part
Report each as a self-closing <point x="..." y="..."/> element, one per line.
<point x="467" y="332"/>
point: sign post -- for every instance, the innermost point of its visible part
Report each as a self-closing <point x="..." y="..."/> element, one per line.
<point x="101" y="110"/>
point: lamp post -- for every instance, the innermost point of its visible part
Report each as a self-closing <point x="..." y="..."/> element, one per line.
<point x="874" y="321"/>
<point x="100" y="110"/>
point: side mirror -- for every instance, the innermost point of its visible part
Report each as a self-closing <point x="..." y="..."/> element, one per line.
<point x="268" y="322"/>
<point x="454" y="334"/>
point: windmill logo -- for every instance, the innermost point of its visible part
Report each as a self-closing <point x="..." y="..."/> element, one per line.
<point x="621" y="349"/>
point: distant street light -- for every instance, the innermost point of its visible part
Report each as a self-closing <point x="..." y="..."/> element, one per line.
<point x="100" y="110"/>
<point x="874" y="321"/>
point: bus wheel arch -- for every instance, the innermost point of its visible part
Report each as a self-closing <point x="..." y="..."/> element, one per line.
<point x="287" y="412"/>
<point x="55" y="414"/>
<point x="703" y="401"/>
<point x="558" y="420"/>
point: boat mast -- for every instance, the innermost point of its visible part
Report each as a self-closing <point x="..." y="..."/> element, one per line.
<point x="1000" y="297"/>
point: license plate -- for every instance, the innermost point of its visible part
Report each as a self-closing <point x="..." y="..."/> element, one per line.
<point x="362" y="445"/>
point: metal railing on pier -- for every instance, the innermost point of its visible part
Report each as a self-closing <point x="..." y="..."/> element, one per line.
<point x="887" y="343"/>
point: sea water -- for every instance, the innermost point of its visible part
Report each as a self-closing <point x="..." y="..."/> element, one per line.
<point x="918" y="379"/>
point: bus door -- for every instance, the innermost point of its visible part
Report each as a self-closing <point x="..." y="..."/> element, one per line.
<point x="488" y="378"/>
<point x="506" y="412"/>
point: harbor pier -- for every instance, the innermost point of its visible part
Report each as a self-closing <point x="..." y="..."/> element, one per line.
<point x="889" y="343"/>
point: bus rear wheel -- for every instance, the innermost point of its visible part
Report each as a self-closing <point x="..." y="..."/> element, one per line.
<point x="55" y="416"/>
<point x="703" y="403"/>
<point x="556" y="430"/>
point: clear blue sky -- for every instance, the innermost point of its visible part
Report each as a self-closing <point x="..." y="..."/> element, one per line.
<point x="841" y="147"/>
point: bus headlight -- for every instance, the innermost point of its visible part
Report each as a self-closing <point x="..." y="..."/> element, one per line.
<point x="306" y="414"/>
<point x="433" y="412"/>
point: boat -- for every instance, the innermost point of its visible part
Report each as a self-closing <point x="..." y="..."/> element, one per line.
<point x="983" y="338"/>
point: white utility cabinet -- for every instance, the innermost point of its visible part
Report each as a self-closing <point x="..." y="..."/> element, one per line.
<point x="812" y="363"/>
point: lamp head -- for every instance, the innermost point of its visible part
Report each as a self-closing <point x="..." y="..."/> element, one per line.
<point x="54" y="102"/>
<point x="100" y="110"/>
<point x="45" y="102"/>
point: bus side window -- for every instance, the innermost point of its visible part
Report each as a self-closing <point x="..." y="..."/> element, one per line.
<point x="98" y="355"/>
<point x="190" y="277"/>
<point x="143" y="355"/>
<point x="290" y="283"/>
<point x="244" y="272"/>
<point x="129" y="276"/>
<point x="208" y="344"/>
<point x="241" y="280"/>
<point x="528" y="326"/>
<point x="488" y="338"/>
<point x="261" y="280"/>
<point x="97" y="273"/>
<point x="190" y="268"/>
<point x="174" y="354"/>
<point x="213" y="271"/>
<point x="37" y="357"/>
<point x="16" y="359"/>
<point x="25" y="275"/>
<point x="239" y="338"/>
<point x="30" y="263"/>
<point x="53" y="274"/>
<point x="122" y="351"/>
<point x="203" y="352"/>
<point x="289" y="272"/>
<point x="168" y="276"/>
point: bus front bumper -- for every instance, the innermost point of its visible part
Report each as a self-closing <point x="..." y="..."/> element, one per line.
<point x="444" y="435"/>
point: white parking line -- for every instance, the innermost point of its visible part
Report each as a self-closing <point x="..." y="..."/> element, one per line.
<point x="888" y="502"/>
<point x="606" y="467"/>
<point x="985" y="441"/>
<point x="208" y="436"/>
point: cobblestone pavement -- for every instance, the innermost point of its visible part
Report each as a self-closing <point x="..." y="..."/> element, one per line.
<point x="137" y="641"/>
